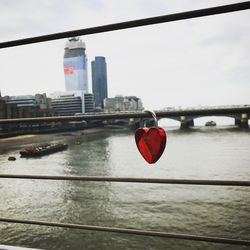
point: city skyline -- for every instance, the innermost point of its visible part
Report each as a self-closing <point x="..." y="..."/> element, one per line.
<point x="198" y="61"/>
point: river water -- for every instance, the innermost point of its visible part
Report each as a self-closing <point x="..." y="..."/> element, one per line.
<point x="199" y="153"/>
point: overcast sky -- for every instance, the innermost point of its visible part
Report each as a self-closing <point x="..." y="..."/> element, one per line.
<point x="201" y="61"/>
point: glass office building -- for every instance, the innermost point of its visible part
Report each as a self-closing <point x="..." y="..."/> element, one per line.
<point x="99" y="80"/>
<point x="75" y="65"/>
<point x="72" y="102"/>
<point x="67" y="103"/>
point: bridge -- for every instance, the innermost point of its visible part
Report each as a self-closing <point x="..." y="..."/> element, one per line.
<point x="240" y="113"/>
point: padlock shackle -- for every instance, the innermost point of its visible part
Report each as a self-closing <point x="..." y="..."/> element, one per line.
<point x="153" y="115"/>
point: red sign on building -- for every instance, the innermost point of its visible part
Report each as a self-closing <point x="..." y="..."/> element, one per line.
<point x="68" y="70"/>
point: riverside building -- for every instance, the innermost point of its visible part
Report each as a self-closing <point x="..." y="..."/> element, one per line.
<point x="99" y="80"/>
<point x="35" y="101"/>
<point x="25" y="106"/>
<point x="75" y="65"/>
<point x="123" y="103"/>
<point x="72" y="102"/>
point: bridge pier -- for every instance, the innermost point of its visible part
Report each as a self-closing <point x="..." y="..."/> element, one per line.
<point x="191" y="123"/>
<point x="236" y="122"/>
<point x="186" y="124"/>
<point x="243" y="122"/>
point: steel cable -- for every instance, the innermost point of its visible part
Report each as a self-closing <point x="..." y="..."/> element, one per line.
<point x="132" y="231"/>
<point x="129" y="179"/>
<point x="132" y="24"/>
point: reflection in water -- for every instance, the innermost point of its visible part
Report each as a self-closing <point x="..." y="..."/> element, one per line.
<point x="201" y="153"/>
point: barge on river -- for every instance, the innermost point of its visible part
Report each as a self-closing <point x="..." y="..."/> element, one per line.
<point x="43" y="149"/>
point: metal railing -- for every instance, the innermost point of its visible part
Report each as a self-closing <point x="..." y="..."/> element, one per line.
<point x="132" y="24"/>
<point x="129" y="179"/>
<point x="113" y="27"/>
<point x="132" y="231"/>
<point x="203" y="238"/>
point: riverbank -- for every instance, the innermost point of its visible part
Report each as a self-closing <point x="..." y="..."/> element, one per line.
<point x="29" y="139"/>
<point x="48" y="130"/>
<point x="89" y="128"/>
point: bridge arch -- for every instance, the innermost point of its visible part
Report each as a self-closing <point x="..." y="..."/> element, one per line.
<point x="168" y="122"/>
<point x="219" y="120"/>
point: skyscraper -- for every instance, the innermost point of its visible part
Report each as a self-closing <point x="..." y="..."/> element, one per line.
<point x="75" y="65"/>
<point x="99" y="80"/>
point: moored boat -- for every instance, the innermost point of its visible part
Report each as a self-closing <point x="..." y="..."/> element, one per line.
<point x="43" y="149"/>
<point x="210" y="123"/>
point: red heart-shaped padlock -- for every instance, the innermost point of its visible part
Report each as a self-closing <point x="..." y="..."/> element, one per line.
<point x="151" y="143"/>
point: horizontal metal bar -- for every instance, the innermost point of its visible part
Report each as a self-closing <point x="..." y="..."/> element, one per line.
<point x="125" y="115"/>
<point x="132" y="24"/>
<point x="131" y="231"/>
<point x="128" y="179"/>
<point x="5" y="247"/>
